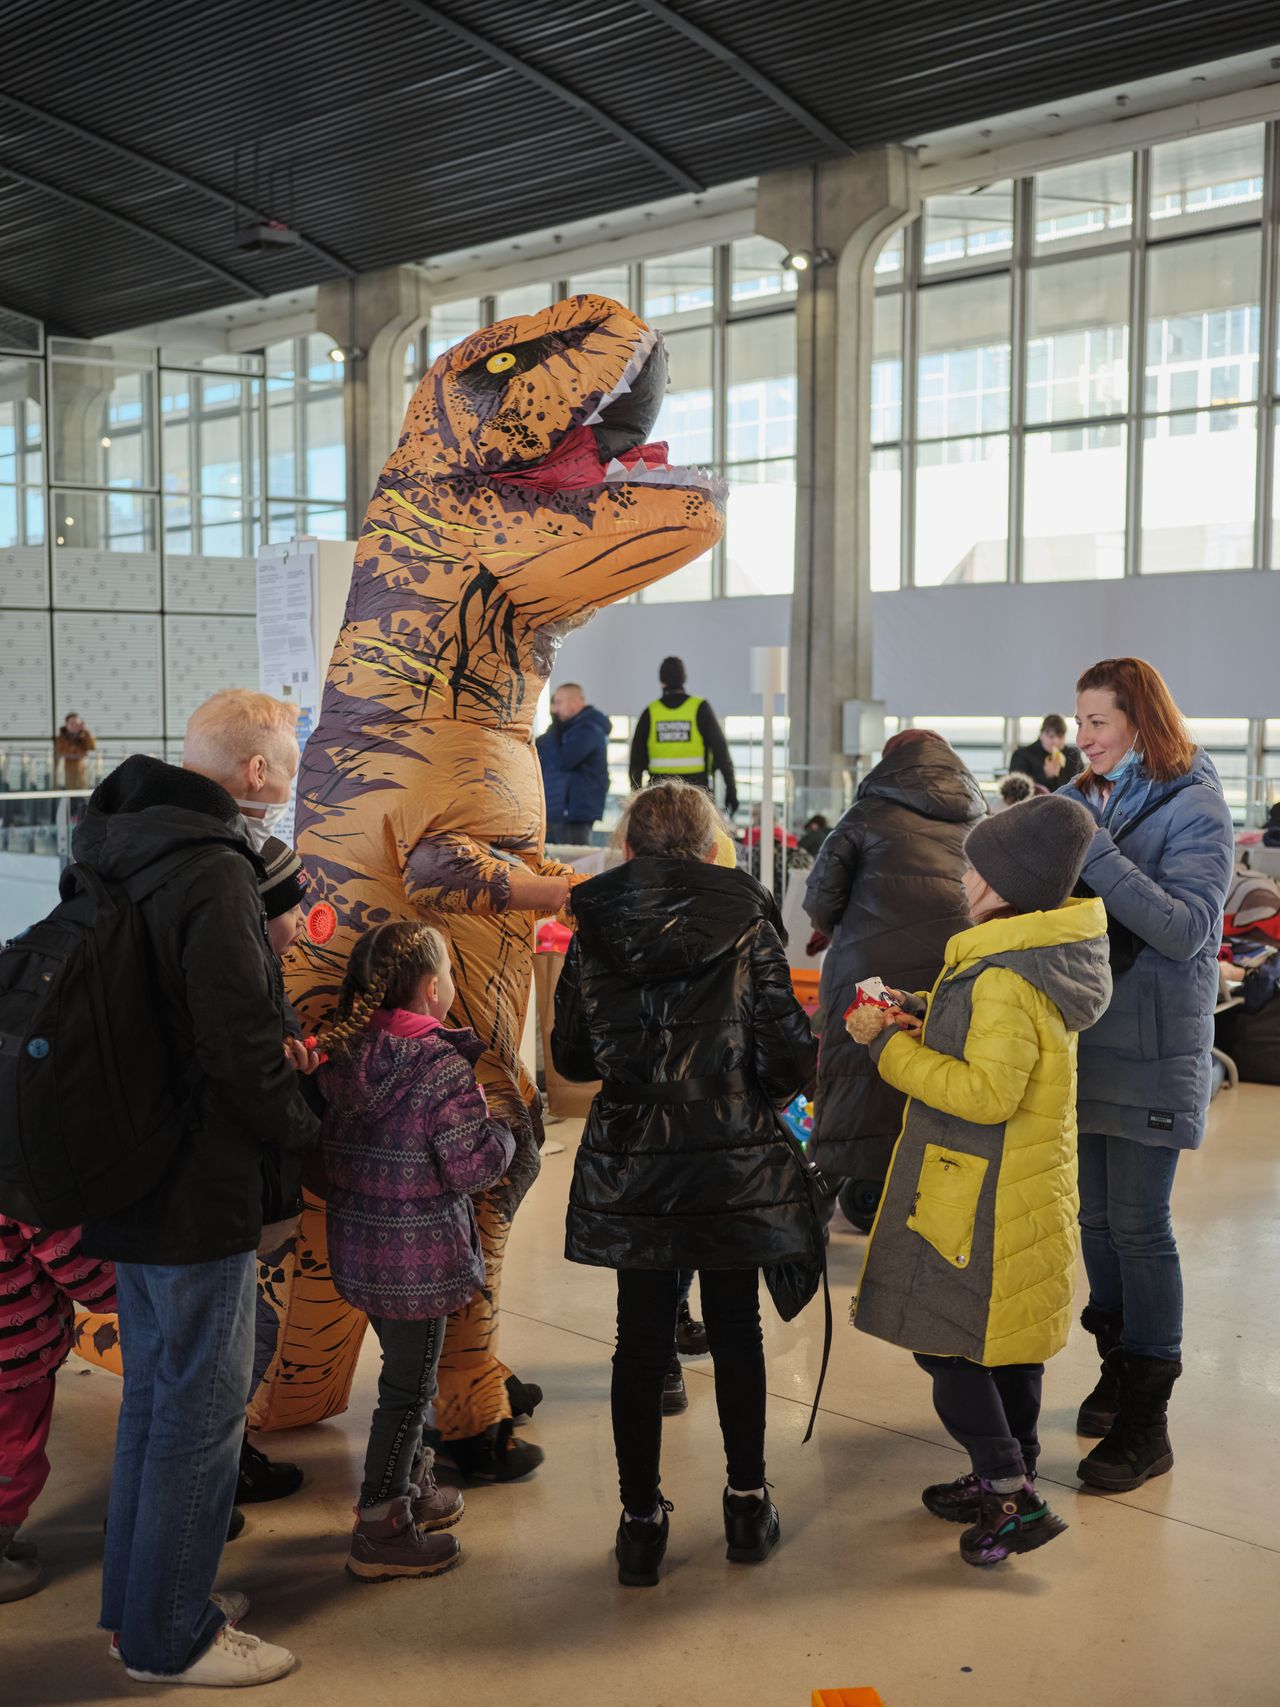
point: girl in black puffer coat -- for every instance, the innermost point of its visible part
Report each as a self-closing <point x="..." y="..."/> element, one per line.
<point x="677" y="993"/>
<point x="887" y="890"/>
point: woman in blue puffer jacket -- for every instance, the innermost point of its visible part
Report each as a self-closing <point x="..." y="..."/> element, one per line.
<point x="1161" y="861"/>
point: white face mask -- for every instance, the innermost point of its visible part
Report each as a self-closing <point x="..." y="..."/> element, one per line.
<point x="260" y="829"/>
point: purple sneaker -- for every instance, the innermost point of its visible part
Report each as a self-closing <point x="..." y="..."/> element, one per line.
<point x="1008" y="1523"/>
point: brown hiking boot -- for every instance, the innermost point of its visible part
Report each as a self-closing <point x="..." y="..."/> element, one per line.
<point x="386" y="1544"/>
<point x="434" y="1507"/>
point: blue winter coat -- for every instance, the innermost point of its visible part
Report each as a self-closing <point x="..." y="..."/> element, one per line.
<point x="575" y="767"/>
<point x="1145" y="1067"/>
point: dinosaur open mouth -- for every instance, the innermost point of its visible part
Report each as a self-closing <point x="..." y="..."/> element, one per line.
<point x="610" y="445"/>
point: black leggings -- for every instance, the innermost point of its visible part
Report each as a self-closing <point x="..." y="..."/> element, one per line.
<point x="993" y="1413"/>
<point x="647" y="1300"/>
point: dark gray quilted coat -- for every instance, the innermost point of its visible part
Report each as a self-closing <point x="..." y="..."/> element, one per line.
<point x="886" y="888"/>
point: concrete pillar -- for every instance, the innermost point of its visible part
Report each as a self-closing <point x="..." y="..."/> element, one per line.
<point x="372" y="315"/>
<point x="848" y="207"/>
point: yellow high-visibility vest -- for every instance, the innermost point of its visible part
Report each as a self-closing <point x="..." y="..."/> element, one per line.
<point x="676" y="747"/>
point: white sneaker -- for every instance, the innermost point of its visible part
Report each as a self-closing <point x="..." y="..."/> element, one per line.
<point x="235" y="1661"/>
<point x="231" y="1603"/>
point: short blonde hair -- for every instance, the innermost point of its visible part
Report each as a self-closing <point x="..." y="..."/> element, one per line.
<point x="236" y="725"/>
<point x="669" y="820"/>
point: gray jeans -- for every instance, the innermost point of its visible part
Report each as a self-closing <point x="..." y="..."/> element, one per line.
<point x="406" y="1387"/>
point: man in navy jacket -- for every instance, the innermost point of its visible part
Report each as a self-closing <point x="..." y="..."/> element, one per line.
<point x="575" y="766"/>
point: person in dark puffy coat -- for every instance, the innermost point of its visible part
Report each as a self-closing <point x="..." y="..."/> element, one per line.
<point x="677" y="994"/>
<point x="887" y="889"/>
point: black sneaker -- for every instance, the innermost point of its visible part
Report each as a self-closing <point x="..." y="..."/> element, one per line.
<point x="260" y="1480"/>
<point x="639" y="1548"/>
<point x="751" y="1527"/>
<point x="959" y="1501"/>
<point x="955" y="1502"/>
<point x="493" y="1456"/>
<point x="691" y="1335"/>
<point x="236" y="1524"/>
<point x="525" y="1397"/>
<point x="1009" y="1523"/>
<point x="674" y="1397"/>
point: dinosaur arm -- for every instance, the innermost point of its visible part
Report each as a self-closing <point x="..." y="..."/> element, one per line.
<point x="453" y="873"/>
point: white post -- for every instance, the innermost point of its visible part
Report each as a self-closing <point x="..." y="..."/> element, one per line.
<point x="769" y="679"/>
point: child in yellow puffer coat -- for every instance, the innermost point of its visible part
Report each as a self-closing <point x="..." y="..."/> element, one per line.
<point x="972" y="1259"/>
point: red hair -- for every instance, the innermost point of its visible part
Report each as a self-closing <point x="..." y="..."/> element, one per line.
<point x="907" y="738"/>
<point x="1141" y="692"/>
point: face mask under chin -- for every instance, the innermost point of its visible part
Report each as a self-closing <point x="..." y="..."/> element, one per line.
<point x="260" y="829"/>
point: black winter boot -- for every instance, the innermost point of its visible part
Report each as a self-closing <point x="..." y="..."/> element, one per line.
<point x="691" y="1335"/>
<point x="493" y="1456"/>
<point x="639" y="1548"/>
<point x="1137" y="1445"/>
<point x="751" y="1527"/>
<point x="1098" y="1411"/>
<point x="260" y="1479"/>
<point x="674" y="1397"/>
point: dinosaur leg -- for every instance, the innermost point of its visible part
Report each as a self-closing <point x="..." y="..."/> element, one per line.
<point x="472" y="1392"/>
<point x="320" y="1334"/>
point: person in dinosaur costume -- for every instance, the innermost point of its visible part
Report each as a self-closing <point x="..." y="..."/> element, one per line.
<point x="521" y="497"/>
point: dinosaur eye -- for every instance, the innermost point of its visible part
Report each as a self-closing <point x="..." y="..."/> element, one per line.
<point x="503" y="362"/>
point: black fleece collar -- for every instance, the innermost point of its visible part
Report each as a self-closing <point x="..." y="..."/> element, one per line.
<point x="142" y="782"/>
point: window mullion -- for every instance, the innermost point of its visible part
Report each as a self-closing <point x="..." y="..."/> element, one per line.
<point x="719" y="402"/>
<point x="1137" y="366"/>
<point x="1017" y="374"/>
<point x="910" y="324"/>
<point x="1263" y="521"/>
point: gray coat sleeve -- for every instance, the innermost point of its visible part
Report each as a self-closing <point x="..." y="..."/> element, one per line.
<point x="1178" y="910"/>
<point x="826" y="894"/>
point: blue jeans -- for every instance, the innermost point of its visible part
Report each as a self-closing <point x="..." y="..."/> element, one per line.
<point x="1130" y="1254"/>
<point x="186" y="1338"/>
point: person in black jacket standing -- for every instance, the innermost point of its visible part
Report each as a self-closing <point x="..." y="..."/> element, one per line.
<point x="184" y="1253"/>
<point x="676" y="992"/>
<point x="1049" y="761"/>
<point x="887" y="890"/>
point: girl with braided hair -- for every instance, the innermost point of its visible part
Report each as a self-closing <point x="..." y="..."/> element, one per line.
<point x="408" y="1139"/>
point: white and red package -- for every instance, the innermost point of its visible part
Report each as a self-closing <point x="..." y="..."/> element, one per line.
<point x="870" y="993"/>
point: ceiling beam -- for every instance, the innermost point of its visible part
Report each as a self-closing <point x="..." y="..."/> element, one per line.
<point x="99" y="139"/>
<point x="765" y="85"/>
<point x="522" y="68"/>
<point x="135" y="226"/>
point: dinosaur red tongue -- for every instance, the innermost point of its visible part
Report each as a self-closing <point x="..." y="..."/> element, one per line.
<point x="575" y="463"/>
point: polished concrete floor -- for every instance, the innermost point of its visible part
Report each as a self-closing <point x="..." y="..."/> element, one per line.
<point x="1168" y="1596"/>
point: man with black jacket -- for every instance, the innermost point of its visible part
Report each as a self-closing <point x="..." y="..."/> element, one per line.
<point x="680" y="736"/>
<point x="185" y="1253"/>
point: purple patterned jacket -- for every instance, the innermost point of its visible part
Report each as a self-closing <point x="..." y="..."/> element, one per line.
<point x="407" y="1137"/>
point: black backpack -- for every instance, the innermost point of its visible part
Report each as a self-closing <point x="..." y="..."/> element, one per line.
<point x="90" y="1111"/>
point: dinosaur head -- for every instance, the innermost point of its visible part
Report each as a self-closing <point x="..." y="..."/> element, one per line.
<point x="538" y="428"/>
<point x="522" y="496"/>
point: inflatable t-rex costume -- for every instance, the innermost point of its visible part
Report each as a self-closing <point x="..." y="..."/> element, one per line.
<point x="520" y="498"/>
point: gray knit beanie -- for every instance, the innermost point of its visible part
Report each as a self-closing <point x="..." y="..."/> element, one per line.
<point x="1031" y="855"/>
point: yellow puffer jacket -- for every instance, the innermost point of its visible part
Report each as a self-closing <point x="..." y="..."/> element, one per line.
<point x="973" y="1253"/>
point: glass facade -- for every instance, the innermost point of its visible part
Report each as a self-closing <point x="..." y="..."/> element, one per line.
<point x="1070" y="373"/>
<point x="135" y="488"/>
<point x="727" y="317"/>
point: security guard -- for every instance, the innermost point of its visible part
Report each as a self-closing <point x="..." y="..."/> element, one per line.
<point x="680" y="735"/>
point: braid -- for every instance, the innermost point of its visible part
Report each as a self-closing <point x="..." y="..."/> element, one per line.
<point x="407" y="952"/>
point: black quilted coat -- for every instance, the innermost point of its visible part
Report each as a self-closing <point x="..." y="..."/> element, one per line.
<point x="886" y="889"/>
<point x="676" y="992"/>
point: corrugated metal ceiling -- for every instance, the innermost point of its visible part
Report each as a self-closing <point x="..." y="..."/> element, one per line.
<point x="404" y="139"/>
